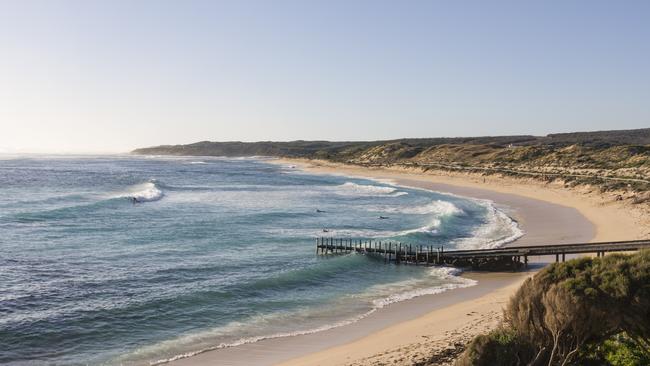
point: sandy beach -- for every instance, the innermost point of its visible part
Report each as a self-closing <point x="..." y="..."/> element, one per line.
<point x="432" y="329"/>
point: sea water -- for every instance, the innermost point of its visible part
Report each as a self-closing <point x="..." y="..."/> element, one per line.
<point x="122" y="260"/>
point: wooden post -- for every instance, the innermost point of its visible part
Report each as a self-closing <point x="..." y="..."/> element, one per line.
<point x="416" y="255"/>
<point x="563" y="258"/>
<point x="557" y="257"/>
<point x="389" y="249"/>
<point x="525" y="261"/>
<point x="397" y="257"/>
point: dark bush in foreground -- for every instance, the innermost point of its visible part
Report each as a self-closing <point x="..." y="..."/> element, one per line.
<point x="499" y="347"/>
<point x="570" y="312"/>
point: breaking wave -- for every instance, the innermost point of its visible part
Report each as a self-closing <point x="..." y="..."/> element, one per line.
<point x="145" y="192"/>
<point x="438" y="207"/>
<point x="499" y="230"/>
<point x="354" y="189"/>
<point x="444" y="273"/>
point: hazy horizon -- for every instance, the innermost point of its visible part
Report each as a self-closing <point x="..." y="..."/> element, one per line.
<point x="109" y="77"/>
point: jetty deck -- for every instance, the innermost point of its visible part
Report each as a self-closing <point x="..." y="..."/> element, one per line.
<point x="499" y="258"/>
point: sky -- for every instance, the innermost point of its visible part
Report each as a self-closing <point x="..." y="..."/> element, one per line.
<point x="111" y="76"/>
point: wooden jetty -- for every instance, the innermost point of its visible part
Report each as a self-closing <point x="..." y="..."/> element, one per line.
<point x="500" y="258"/>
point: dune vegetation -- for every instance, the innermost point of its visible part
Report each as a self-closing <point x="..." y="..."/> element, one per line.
<point x="612" y="161"/>
<point x="587" y="311"/>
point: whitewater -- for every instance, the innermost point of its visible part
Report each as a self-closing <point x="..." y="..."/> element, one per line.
<point x="212" y="253"/>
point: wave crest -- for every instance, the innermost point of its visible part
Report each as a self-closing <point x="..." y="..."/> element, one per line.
<point x="354" y="189"/>
<point x="446" y="273"/>
<point x="438" y="207"/>
<point x="145" y="192"/>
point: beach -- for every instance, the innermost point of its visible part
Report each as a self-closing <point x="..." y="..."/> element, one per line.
<point x="434" y="327"/>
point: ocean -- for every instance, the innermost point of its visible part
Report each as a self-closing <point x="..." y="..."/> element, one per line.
<point x="213" y="252"/>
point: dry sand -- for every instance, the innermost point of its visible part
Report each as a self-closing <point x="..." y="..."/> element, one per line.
<point x="433" y="328"/>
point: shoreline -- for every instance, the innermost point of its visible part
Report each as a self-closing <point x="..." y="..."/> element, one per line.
<point x="391" y="334"/>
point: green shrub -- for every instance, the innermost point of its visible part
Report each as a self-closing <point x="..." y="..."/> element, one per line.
<point x="499" y="347"/>
<point x="569" y="311"/>
<point x="619" y="350"/>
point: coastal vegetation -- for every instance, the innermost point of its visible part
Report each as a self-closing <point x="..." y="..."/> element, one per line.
<point x="611" y="161"/>
<point x="587" y="311"/>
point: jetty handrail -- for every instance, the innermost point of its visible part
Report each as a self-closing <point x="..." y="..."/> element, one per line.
<point x="508" y="256"/>
<point x="554" y="246"/>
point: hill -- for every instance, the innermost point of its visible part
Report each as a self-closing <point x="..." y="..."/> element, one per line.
<point x="611" y="160"/>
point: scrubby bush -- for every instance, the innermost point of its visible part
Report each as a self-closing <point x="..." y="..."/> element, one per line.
<point x="499" y="347"/>
<point x="570" y="308"/>
<point x="618" y="350"/>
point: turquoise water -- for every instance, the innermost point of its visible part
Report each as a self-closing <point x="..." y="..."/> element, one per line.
<point x="216" y="253"/>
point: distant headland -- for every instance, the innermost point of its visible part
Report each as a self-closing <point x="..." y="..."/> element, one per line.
<point x="611" y="160"/>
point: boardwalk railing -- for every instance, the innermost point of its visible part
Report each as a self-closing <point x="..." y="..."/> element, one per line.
<point x="509" y="257"/>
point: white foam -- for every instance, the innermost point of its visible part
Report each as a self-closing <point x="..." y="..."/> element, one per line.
<point x="198" y="162"/>
<point x="499" y="230"/>
<point x="145" y="192"/>
<point x="354" y="189"/>
<point x="438" y="207"/>
<point x="431" y="228"/>
<point x="444" y="273"/>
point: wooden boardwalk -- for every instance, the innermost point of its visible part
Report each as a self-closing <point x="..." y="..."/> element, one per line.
<point x="500" y="258"/>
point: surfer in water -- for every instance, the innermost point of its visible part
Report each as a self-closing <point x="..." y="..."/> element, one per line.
<point x="319" y="211"/>
<point x="135" y="200"/>
<point x="383" y="217"/>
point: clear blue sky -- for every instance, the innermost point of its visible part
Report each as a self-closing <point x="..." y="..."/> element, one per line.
<point x="111" y="76"/>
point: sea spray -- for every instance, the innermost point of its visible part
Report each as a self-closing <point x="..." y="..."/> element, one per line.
<point x="144" y="192"/>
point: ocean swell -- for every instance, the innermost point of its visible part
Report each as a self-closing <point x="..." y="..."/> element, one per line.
<point x="441" y="273"/>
